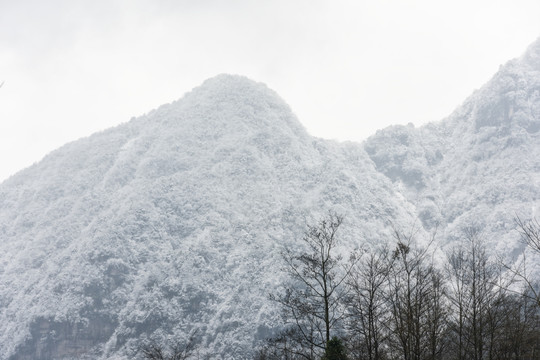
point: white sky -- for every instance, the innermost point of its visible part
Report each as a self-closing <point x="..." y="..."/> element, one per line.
<point x="346" y="67"/>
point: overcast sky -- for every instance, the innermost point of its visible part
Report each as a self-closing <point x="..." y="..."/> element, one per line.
<point x="347" y="68"/>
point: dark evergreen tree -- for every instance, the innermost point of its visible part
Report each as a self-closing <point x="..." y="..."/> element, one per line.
<point x="335" y="350"/>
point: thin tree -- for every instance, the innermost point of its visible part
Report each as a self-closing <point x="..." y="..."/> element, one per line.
<point x="312" y="302"/>
<point x="530" y="232"/>
<point x="530" y="235"/>
<point x="367" y="307"/>
<point x="457" y="273"/>
<point x="178" y="351"/>
<point x="477" y="298"/>
<point x="415" y="299"/>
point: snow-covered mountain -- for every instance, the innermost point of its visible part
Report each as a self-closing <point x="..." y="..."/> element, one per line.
<point x="480" y="166"/>
<point x="173" y="223"/>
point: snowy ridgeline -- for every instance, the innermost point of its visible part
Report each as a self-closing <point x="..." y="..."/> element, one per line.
<point x="173" y="222"/>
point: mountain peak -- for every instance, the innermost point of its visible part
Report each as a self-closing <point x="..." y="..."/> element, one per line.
<point x="231" y="104"/>
<point x="231" y="80"/>
<point x="509" y="102"/>
<point x="173" y="224"/>
<point x="228" y="87"/>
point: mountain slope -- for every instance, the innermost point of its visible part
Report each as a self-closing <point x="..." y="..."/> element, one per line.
<point x="478" y="167"/>
<point x="173" y="223"/>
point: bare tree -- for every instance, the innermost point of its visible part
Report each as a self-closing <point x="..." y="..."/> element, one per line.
<point x="288" y="345"/>
<point x="477" y="296"/>
<point x="437" y="315"/>
<point x="458" y="274"/>
<point x="312" y="303"/>
<point x="518" y="327"/>
<point x="178" y="351"/>
<point x="415" y="297"/>
<point x="530" y="235"/>
<point x="367" y="307"/>
<point x="530" y="232"/>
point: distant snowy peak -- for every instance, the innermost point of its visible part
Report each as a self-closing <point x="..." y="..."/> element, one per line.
<point x="231" y="103"/>
<point x="227" y="118"/>
<point x="511" y="99"/>
<point x="173" y="223"/>
<point x="221" y="120"/>
<point x="478" y="165"/>
<point x="508" y="104"/>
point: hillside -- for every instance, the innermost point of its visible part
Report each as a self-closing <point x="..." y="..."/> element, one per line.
<point x="478" y="167"/>
<point x="173" y="222"/>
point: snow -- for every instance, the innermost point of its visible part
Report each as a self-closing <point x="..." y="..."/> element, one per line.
<point x="174" y="222"/>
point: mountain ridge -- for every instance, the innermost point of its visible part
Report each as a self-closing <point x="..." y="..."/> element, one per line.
<point x="173" y="223"/>
<point x="483" y="155"/>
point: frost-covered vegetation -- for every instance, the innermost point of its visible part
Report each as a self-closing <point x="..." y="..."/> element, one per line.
<point x="173" y="223"/>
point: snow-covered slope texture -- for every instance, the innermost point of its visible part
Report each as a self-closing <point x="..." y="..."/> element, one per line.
<point x="172" y="224"/>
<point x="478" y="167"/>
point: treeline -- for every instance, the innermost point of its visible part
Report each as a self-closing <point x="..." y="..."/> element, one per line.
<point x="397" y="301"/>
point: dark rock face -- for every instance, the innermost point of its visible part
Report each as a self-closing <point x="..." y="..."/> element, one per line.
<point x="65" y="340"/>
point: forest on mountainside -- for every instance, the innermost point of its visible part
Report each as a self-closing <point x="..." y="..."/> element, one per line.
<point x="399" y="301"/>
<point x="172" y="227"/>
